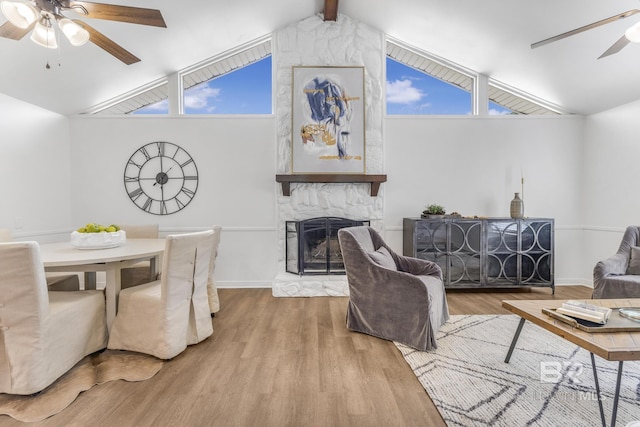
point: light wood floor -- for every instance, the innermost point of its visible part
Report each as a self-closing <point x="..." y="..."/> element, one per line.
<point x="281" y="362"/>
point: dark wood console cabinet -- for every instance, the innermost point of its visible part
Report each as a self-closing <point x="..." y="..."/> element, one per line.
<point x="487" y="252"/>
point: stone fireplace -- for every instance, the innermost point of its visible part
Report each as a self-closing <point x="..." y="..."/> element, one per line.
<point x="315" y="42"/>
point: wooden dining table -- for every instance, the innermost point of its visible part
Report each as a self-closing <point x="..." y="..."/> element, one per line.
<point x="65" y="257"/>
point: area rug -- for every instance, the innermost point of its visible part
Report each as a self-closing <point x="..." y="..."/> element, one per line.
<point x="92" y="370"/>
<point x="548" y="381"/>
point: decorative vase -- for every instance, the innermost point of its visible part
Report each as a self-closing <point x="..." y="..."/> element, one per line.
<point x="517" y="207"/>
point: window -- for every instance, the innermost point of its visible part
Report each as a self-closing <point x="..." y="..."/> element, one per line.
<point x="238" y="82"/>
<point x="242" y="91"/>
<point x="498" y="110"/>
<point x="419" y="83"/>
<point x="504" y="101"/>
<point x="148" y="100"/>
<point x="410" y="91"/>
<point x="160" y="107"/>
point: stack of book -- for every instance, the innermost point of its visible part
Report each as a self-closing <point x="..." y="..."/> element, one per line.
<point x="585" y="311"/>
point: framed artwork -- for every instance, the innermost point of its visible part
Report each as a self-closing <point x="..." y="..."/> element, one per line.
<point x="328" y="134"/>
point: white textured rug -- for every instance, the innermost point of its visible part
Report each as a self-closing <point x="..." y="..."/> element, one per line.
<point x="548" y="381"/>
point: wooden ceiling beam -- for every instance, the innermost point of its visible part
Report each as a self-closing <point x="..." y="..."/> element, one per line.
<point x="330" y="10"/>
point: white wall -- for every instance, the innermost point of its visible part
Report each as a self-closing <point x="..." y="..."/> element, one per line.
<point x="469" y="164"/>
<point x="610" y="182"/>
<point x="473" y="165"/>
<point x="34" y="171"/>
<point x="236" y="167"/>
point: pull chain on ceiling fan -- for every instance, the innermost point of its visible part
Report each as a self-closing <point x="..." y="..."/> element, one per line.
<point x="39" y="16"/>
<point x="631" y="35"/>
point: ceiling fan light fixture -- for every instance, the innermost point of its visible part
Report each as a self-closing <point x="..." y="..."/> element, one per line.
<point x="76" y="35"/>
<point x="44" y="34"/>
<point x="21" y="15"/>
<point x="633" y="33"/>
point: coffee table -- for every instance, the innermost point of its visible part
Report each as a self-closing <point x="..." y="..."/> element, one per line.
<point x="612" y="346"/>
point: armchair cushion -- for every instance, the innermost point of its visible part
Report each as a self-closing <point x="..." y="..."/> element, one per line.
<point x="383" y="258"/>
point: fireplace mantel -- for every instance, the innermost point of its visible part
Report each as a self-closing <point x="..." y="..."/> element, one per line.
<point x="287" y="179"/>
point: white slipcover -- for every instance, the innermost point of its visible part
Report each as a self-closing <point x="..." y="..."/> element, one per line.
<point x="161" y="318"/>
<point x="42" y="334"/>
<point x="140" y="272"/>
<point x="55" y="281"/>
<point x="212" y="290"/>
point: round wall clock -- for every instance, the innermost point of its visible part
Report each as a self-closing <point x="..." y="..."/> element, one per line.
<point x="161" y="178"/>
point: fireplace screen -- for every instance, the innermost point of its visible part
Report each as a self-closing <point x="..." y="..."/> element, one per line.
<point x="312" y="245"/>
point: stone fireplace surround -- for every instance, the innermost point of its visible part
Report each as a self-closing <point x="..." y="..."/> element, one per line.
<point x="314" y="42"/>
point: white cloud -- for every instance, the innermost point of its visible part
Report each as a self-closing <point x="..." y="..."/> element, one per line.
<point x="494" y="112"/>
<point x="403" y="92"/>
<point x="198" y="97"/>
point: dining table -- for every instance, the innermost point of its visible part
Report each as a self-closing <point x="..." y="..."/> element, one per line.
<point x="63" y="256"/>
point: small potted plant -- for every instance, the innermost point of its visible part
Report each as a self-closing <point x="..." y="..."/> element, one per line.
<point x="433" y="211"/>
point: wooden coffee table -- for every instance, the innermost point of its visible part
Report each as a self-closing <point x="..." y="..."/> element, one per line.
<point x="613" y="346"/>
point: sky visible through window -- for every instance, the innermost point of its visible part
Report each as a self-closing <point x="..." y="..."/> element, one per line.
<point x="248" y="90"/>
<point x="410" y="91"/>
<point x="243" y="91"/>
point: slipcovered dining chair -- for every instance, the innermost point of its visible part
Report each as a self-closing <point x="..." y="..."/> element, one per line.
<point x="43" y="333"/>
<point x="392" y="297"/>
<point x="161" y="318"/>
<point x="140" y="272"/>
<point x="55" y="281"/>
<point x="619" y="275"/>
<point x="212" y="289"/>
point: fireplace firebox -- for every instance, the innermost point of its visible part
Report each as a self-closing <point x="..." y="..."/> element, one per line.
<point x="312" y="245"/>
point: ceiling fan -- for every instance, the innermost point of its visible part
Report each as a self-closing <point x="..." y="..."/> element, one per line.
<point x="40" y="15"/>
<point x="632" y="34"/>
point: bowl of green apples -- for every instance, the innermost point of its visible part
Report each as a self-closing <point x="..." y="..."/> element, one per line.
<point x="97" y="236"/>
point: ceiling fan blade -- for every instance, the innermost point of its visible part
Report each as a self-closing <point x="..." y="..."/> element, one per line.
<point x="108" y="45"/>
<point x="616" y="47"/>
<point x="132" y="15"/>
<point x="10" y="31"/>
<point x="586" y="27"/>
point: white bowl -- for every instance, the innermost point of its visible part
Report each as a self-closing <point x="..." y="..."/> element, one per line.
<point x="102" y="240"/>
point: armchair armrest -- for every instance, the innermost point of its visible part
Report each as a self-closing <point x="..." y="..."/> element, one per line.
<point x="417" y="266"/>
<point x="616" y="265"/>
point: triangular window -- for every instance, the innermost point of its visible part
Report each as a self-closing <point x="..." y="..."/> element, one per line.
<point x="420" y="83"/>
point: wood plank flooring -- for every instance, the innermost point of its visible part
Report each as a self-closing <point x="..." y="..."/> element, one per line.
<point x="281" y="362"/>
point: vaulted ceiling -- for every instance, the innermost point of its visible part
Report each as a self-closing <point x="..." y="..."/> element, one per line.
<point x="492" y="37"/>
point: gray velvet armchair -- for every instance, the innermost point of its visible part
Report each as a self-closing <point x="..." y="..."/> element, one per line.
<point x="619" y="275"/>
<point x="392" y="297"/>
